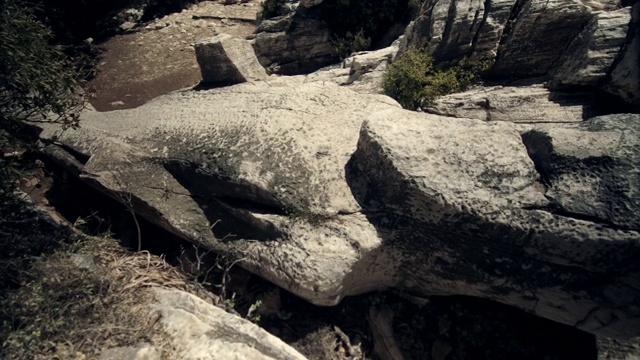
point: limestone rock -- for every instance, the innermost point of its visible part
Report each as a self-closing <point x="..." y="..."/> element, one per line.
<point x="140" y="352"/>
<point x="625" y="75"/>
<point x="225" y="60"/>
<point x="200" y="331"/>
<point x="440" y="195"/>
<point x="329" y="193"/>
<point x="592" y="171"/>
<point x="524" y="104"/>
<point x="294" y="45"/>
<point x="522" y="38"/>
<point x="361" y="72"/>
<point x="588" y="59"/>
<point x="615" y="349"/>
<point x="571" y="43"/>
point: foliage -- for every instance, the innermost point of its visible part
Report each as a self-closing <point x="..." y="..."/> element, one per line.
<point x="413" y="80"/>
<point x="344" y="46"/>
<point x="356" y="23"/>
<point x="37" y="81"/>
<point x="273" y="8"/>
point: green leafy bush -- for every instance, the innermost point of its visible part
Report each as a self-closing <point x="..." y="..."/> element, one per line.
<point x="37" y="81"/>
<point x="414" y="81"/>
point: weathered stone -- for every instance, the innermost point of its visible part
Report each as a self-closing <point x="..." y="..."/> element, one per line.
<point x="523" y="104"/>
<point x="587" y="61"/>
<point x="200" y="331"/>
<point x="474" y="209"/>
<point x="225" y="60"/>
<point x="572" y="43"/>
<point x="302" y="47"/>
<point x="625" y="75"/>
<point x="592" y="172"/>
<point x="615" y="349"/>
<point x="523" y="38"/>
<point x="362" y="72"/>
<point x="326" y="206"/>
<point x="140" y="352"/>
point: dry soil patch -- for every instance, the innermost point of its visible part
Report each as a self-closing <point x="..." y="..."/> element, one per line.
<point x="159" y="57"/>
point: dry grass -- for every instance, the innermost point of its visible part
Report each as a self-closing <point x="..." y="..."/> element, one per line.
<point x="71" y="305"/>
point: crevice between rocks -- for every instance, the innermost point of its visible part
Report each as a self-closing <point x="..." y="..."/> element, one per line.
<point x="509" y="27"/>
<point x="476" y="36"/>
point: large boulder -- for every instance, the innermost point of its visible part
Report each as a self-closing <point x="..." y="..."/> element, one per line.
<point x="226" y="60"/>
<point x="591" y="172"/>
<point x="294" y="44"/>
<point x="329" y="193"/>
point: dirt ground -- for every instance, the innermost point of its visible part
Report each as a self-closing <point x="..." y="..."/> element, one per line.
<point x="159" y="57"/>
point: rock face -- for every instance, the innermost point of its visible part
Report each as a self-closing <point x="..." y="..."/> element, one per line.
<point x="588" y="59"/>
<point x="226" y="60"/>
<point x="525" y="104"/>
<point x="297" y="43"/>
<point x="591" y="172"/>
<point x="362" y="72"/>
<point x="625" y="75"/>
<point x="570" y="43"/>
<point x="329" y="193"/>
<point x="200" y="331"/>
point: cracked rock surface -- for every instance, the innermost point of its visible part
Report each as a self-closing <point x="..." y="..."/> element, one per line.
<point x="330" y="193"/>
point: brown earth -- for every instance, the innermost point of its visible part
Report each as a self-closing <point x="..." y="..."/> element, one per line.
<point x="158" y="58"/>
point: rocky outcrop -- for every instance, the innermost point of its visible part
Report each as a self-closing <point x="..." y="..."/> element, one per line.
<point x="328" y="193"/>
<point x="569" y="43"/>
<point x="523" y="104"/>
<point x="361" y="72"/>
<point x="590" y="172"/>
<point x="588" y="60"/>
<point x="297" y="43"/>
<point x="225" y="60"/>
<point x="625" y="74"/>
<point x="200" y="331"/>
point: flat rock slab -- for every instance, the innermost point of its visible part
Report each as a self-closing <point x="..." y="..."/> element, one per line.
<point x="200" y="331"/>
<point x="227" y="60"/>
<point x="329" y="193"/>
<point x="517" y="104"/>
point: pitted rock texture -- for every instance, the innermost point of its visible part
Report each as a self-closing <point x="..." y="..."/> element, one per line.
<point x="227" y="60"/>
<point x="329" y="193"/>
<point x="200" y="331"/>
<point x="517" y="104"/>
<point x="592" y="171"/>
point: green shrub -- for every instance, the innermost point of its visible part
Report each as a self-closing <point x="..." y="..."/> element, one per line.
<point x="414" y="81"/>
<point x="37" y="81"/>
<point x="342" y="47"/>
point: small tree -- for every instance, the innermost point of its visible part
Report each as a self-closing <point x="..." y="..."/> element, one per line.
<point x="414" y="81"/>
<point x="37" y="81"/>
